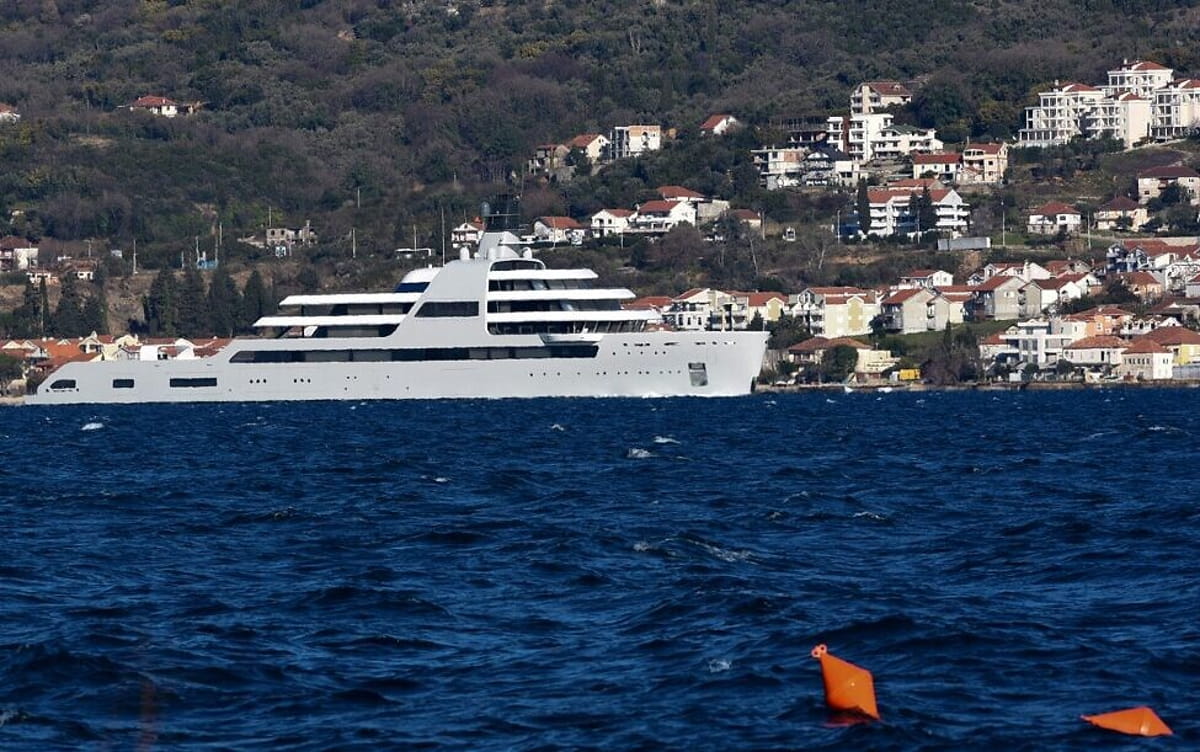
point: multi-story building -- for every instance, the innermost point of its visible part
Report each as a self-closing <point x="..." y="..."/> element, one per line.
<point x="634" y="140"/>
<point x="1140" y="77"/>
<point x="1176" y="110"/>
<point x="1056" y="118"/>
<point x="779" y="167"/>
<point x="983" y="164"/>
<point x="875" y="96"/>
<point x="892" y="212"/>
<point x="835" y="311"/>
<point x="874" y="136"/>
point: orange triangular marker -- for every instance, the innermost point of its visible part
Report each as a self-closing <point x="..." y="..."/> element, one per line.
<point x="848" y="688"/>
<point x="1141" y="721"/>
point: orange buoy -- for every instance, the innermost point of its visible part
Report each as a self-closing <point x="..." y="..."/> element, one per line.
<point x="1140" y="721"/>
<point x="848" y="688"/>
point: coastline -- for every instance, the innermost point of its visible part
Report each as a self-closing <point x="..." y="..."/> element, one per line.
<point x="985" y="386"/>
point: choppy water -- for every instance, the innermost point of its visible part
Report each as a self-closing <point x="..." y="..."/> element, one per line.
<point x="608" y="574"/>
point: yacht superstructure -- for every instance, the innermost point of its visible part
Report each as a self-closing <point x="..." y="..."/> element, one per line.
<point x="499" y="324"/>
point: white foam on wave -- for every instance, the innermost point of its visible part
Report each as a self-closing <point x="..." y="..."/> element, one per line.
<point x="557" y="427"/>
<point x="92" y="426"/>
<point x="871" y="516"/>
<point x="642" y="547"/>
<point x="637" y="453"/>
<point x="7" y="715"/>
<point x="717" y="665"/>
<point x="665" y="440"/>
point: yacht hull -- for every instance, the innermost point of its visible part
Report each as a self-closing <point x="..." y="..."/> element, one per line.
<point x="646" y="364"/>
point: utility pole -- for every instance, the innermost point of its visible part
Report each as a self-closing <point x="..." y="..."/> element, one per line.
<point x="353" y="244"/>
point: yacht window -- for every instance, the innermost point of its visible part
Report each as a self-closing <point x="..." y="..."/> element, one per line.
<point x="63" y="384"/>
<point x="122" y="383"/>
<point x="194" y="382"/>
<point x="449" y="309"/>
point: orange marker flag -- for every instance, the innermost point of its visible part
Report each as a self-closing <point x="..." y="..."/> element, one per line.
<point x="848" y="688"/>
<point x="1140" y="721"/>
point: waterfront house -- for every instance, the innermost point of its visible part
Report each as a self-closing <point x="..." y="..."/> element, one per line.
<point x="1145" y="360"/>
<point x="1097" y="354"/>
<point x="1183" y="343"/>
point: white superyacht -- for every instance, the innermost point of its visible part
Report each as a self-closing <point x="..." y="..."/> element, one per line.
<point x="500" y="324"/>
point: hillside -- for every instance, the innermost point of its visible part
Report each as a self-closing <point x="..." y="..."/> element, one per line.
<point x="388" y="119"/>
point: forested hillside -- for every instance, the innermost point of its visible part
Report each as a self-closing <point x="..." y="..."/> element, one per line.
<point x="380" y="115"/>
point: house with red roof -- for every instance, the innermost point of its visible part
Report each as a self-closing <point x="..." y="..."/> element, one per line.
<point x="1121" y="213"/>
<point x="939" y="165"/>
<point x="1099" y="354"/>
<point x="467" y="234"/>
<point x="163" y="107"/>
<point x="996" y="299"/>
<point x="610" y="222"/>
<point x="8" y="113"/>
<point x="718" y="125"/>
<point x="556" y="230"/>
<point x="17" y="254"/>
<point x="695" y="309"/>
<point x="907" y="311"/>
<point x="1145" y="360"/>
<point x="1152" y="182"/>
<point x="593" y="145"/>
<point x="983" y="164"/>
<point x="930" y="278"/>
<point x="892" y="211"/>
<point x="1053" y="218"/>
<point x="1176" y="110"/>
<point x="835" y="311"/>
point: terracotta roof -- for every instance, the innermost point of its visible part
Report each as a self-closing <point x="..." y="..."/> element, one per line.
<point x="1169" y="172"/>
<point x="657" y="207"/>
<point x="6" y="108"/>
<point x="745" y="215"/>
<point x="1078" y="87"/>
<point x="1100" y="341"/>
<point x="677" y="191"/>
<point x="900" y="296"/>
<point x="1138" y="278"/>
<point x="1144" y="344"/>
<point x="617" y="212"/>
<point x="1173" y="335"/>
<point x="648" y="302"/>
<point x="1144" y="65"/>
<point x="888" y="88"/>
<point x="152" y="101"/>
<point x="936" y="158"/>
<point x="811" y="344"/>
<point x="560" y="223"/>
<point x="583" y="140"/>
<point x="713" y="121"/>
<point x="922" y="183"/>
<point x="759" y="299"/>
<point x="996" y="282"/>
<point x="1120" y="203"/>
<point x="985" y="148"/>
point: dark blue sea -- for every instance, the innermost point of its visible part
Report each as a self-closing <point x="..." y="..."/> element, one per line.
<point x="601" y="574"/>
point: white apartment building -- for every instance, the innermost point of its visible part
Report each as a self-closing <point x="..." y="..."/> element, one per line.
<point x="875" y="136"/>
<point x="1138" y="102"/>
<point x="1176" y="110"/>
<point x="891" y="212"/>
<point x="634" y="140"/>
<point x="835" y="311"/>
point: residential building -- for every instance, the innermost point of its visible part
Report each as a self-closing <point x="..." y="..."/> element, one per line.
<point x="466" y="235"/>
<point x="8" y="113"/>
<point x="718" y="125"/>
<point x="997" y="298"/>
<point x="17" y="254"/>
<point x="634" y="140"/>
<point x="907" y="311"/>
<point x="1053" y="218"/>
<point x="869" y="366"/>
<point x="659" y="217"/>
<point x="835" y="311"/>
<point x="611" y="222"/>
<point x="679" y="193"/>
<point x="1041" y="341"/>
<point x="1026" y="271"/>
<point x="1145" y="285"/>
<point x="740" y="308"/>
<point x="1122" y="213"/>
<point x="780" y="167"/>
<point x="892" y="212"/>
<point x="1183" y="343"/>
<point x="1046" y="295"/>
<point x="1176" y="110"/>
<point x="1173" y="261"/>
<point x="548" y="158"/>
<point x="593" y="145"/>
<point x="557" y="230"/>
<point x="1141" y="77"/>
<point x="1151" y="183"/>
<point x="164" y="107"/>
<point x="693" y="310"/>
<point x="983" y="164"/>
<point x="1056" y="118"/>
<point x="929" y="278"/>
<point x="826" y="165"/>
<point x="874" y="136"/>
<point x="1124" y="117"/>
<point x="1101" y="353"/>
<point x="876" y="96"/>
<point x="1145" y="360"/>
<point x="943" y="166"/>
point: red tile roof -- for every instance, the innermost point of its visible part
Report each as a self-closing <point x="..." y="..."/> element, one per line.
<point x="1100" y="341"/>
<point x="678" y="191"/>
<point x="1173" y="335"/>
<point x="1054" y="208"/>
<point x="1169" y="172"/>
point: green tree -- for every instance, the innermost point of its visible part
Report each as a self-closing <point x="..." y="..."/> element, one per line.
<point x="256" y="301"/>
<point x="27" y="318"/>
<point x="161" y="305"/>
<point x="68" y="316"/>
<point x="839" y="363"/>
<point x="224" y="303"/>
<point x="95" y="314"/>
<point x="193" y="311"/>
<point x="862" y="204"/>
